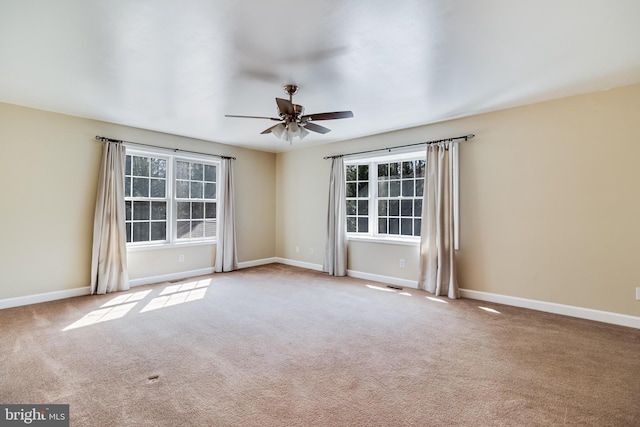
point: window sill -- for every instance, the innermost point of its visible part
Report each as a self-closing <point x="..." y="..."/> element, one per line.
<point x="388" y="241"/>
<point x="160" y="246"/>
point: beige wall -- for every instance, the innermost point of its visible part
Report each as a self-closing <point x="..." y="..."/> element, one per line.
<point x="50" y="171"/>
<point x="549" y="202"/>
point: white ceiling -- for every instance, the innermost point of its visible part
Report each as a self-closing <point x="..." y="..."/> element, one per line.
<point x="180" y="66"/>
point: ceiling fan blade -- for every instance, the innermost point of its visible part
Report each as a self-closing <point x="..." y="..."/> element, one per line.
<point x="285" y="107"/>
<point x="252" y="117"/>
<point x="328" y="116"/>
<point x="268" y="130"/>
<point x="316" y="128"/>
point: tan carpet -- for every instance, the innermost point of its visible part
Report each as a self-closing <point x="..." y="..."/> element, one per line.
<point x="282" y="346"/>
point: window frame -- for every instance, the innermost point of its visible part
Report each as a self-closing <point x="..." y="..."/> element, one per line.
<point x="172" y="157"/>
<point x="410" y="153"/>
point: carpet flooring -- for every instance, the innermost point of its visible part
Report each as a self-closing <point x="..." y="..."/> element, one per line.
<point x="277" y="345"/>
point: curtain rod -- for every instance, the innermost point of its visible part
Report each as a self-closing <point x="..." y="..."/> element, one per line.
<point x="175" y="150"/>
<point x="435" y="141"/>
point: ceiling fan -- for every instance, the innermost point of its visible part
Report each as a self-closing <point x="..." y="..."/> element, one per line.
<point x="293" y="121"/>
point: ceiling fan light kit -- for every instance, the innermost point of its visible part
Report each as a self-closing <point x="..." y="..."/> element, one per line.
<point x="293" y="122"/>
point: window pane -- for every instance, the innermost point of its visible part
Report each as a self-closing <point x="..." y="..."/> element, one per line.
<point x="417" y="207"/>
<point x="351" y="224"/>
<point x="382" y="225"/>
<point x="197" y="210"/>
<point x="394" y="170"/>
<point x="209" y="229"/>
<point x="351" y="173"/>
<point x="383" y="189"/>
<point x="158" y="210"/>
<point x="158" y="168"/>
<point x="407" y="169"/>
<point x="406" y="226"/>
<point x="140" y="187"/>
<point x="157" y="188"/>
<point x="141" y="212"/>
<point x="209" y="191"/>
<point x="197" y="228"/>
<point x="363" y="189"/>
<point x="394" y="189"/>
<point x="351" y="207"/>
<point x="382" y="207"/>
<point x="196" y="190"/>
<point x="158" y="231"/>
<point x="127" y="165"/>
<point x="183" y="229"/>
<point x="127" y="227"/>
<point x="210" y="173"/>
<point x="184" y="210"/>
<point x="407" y="187"/>
<point x="394" y="226"/>
<point x="197" y="171"/>
<point x="182" y="170"/>
<point x="406" y="208"/>
<point x="363" y="207"/>
<point x="140" y="167"/>
<point x="182" y="189"/>
<point x="140" y="231"/>
<point x="420" y="187"/>
<point x="363" y="224"/>
<point x="210" y="210"/>
<point x="127" y="211"/>
<point x="417" y="227"/>
<point x="351" y="189"/>
<point x="394" y="208"/>
<point x="420" y="168"/>
<point x="383" y="171"/>
<point x="127" y="187"/>
<point x="363" y="172"/>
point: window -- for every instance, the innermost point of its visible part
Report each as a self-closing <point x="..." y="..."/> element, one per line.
<point x="384" y="196"/>
<point x="169" y="199"/>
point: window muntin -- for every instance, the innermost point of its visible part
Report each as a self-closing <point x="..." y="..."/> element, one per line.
<point x="399" y="197"/>
<point x="169" y="199"/>
<point x="395" y="198"/>
<point x="196" y="190"/>
<point x="357" y="196"/>
<point x="145" y="199"/>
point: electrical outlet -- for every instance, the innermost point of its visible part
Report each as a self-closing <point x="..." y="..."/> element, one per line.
<point x="638" y="294"/>
<point x="401" y="263"/>
<point x="297" y="249"/>
<point x="180" y="258"/>
<point x="310" y="251"/>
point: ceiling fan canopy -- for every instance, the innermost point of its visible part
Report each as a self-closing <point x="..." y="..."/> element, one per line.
<point x="292" y="120"/>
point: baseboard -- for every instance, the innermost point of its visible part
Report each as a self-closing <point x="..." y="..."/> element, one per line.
<point x="45" y="297"/>
<point x="550" y="307"/>
<point x="257" y="262"/>
<point x="383" y="279"/>
<point x="301" y="264"/>
<point x="170" y="277"/>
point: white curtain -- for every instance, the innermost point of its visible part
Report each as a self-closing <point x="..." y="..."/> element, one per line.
<point x="109" y="257"/>
<point x="226" y="254"/>
<point x="335" y="254"/>
<point x="437" y="251"/>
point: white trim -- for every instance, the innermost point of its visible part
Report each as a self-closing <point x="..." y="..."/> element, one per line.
<point x="551" y="307"/>
<point x="45" y="297"/>
<point x="409" y="241"/>
<point x="257" y="262"/>
<point x="383" y="279"/>
<point x="301" y="264"/>
<point x="171" y="276"/>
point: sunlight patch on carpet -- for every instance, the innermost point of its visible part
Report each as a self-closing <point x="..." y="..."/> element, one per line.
<point x="490" y="310"/>
<point x="102" y="315"/>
